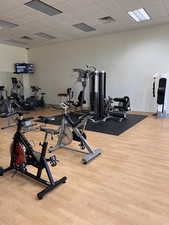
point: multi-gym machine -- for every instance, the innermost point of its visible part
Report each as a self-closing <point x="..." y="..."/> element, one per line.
<point x="161" y="95"/>
<point x="103" y="107"/>
<point x="98" y="103"/>
<point x="83" y="76"/>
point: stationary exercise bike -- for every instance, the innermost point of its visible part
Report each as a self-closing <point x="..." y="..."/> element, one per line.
<point x="23" y="155"/>
<point x="70" y="130"/>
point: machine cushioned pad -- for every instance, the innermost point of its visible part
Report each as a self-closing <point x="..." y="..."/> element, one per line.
<point x="161" y="91"/>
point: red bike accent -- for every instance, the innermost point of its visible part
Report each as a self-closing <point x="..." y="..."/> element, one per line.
<point x="20" y="157"/>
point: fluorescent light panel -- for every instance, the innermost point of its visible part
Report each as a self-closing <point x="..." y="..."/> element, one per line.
<point x="6" y="24"/>
<point x="84" y="27"/>
<point x="44" y="35"/>
<point x="139" y="15"/>
<point x="43" y="7"/>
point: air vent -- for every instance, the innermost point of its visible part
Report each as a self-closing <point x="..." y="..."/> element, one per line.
<point x="44" y="35"/>
<point x="84" y="27"/>
<point x="26" y="38"/>
<point x="17" y="42"/>
<point x="43" y="7"/>
<point x="107" y="19"/>
<point x="6" y="24"/>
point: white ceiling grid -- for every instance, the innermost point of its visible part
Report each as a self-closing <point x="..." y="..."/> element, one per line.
<point x="31" y="21"/>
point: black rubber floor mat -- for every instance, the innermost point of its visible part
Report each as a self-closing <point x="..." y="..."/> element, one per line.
<point x="111" y="126"/>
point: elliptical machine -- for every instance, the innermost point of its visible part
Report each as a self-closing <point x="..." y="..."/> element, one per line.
<point x="17" y="89"/>
<point x="2" y="91"/>
<point x="23" y="155"/>
<point x="2" y="98"/>
<point x="7" y="108"/>
<point x="35" y="99"/>
<point x="83" y="76"/>
<point x="17" y="94"/>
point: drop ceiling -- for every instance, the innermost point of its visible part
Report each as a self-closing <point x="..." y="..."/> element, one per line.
<point x="60" y="26"/>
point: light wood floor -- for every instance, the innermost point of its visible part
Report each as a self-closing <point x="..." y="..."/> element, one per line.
<point x="127" y="185"/>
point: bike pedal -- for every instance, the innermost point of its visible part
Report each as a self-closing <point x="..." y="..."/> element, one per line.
<point x="53" y="160"/>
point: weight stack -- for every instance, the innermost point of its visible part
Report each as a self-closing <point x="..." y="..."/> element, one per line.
<point x="98" y="93"/>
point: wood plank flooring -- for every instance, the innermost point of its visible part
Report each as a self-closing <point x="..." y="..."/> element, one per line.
<point x="127" y="185"/>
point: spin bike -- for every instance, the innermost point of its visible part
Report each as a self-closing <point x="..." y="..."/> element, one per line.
<point x="23" y="155"/>
<point x="70" y="130"/>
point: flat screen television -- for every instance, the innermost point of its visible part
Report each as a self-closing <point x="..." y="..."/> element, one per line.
<point x="24" y="68"/>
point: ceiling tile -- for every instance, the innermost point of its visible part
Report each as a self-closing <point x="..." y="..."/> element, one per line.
<point x="76" y="11"/>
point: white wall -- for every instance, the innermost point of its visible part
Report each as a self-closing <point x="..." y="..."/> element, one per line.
<point x="9" y="55"/>
<point x="129" y="58"/>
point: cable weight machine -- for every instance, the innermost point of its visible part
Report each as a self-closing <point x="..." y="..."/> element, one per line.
<point x="97" y="81"/>
<point x="102" y="106"/>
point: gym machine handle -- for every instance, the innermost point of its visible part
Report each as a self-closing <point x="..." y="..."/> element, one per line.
<point x="80" y="119"/>
<point x="49" y="130"/>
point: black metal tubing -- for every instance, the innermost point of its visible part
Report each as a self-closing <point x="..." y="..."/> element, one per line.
<point x="39" y="164"/>
<point x="35" y="177"/>
<point x="27" y="174"/>
<point x="48" y="171"/>
<point x="50" y="186"/>
<point x="98" y="94"/>
<point x="41" y="194"/>
<point x="8" y="169"/>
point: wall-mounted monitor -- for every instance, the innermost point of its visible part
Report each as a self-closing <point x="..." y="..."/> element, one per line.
<point x="21" y="68"/>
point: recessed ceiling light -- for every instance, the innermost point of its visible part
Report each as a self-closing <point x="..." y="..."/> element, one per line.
<point x="43" y="7"/>
<point x="84" y="27"/>
<point x="16" y="42"/>
<point x="46" y="36"/>
<point x="107" y="19"/>
<point x="6" y="24"/>
<point x="139" y="15"/>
